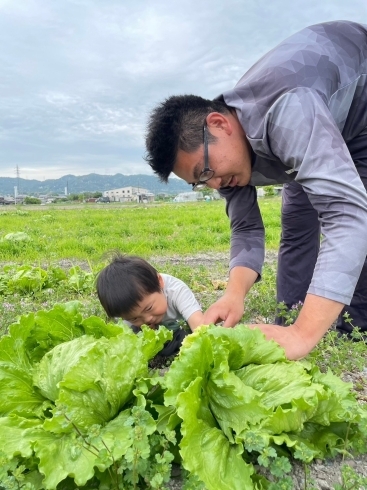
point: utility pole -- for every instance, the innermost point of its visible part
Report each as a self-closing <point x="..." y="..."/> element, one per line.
<point x="16" y="188"/>
<point x="17" y="171"/>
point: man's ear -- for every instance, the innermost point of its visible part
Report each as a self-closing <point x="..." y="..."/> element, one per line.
<point x="216" y="120"/>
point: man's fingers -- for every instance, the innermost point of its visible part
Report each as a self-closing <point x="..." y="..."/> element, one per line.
<point x="211" y="318"/>
<point x="213" y="314"/>
<point x="231" y="321"/>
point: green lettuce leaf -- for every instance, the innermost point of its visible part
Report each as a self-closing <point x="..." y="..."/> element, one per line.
<point x="69" y="455"/>
<point x="56" y="363"/>
<point x="233" y="386"/>
<point x="153" y="340"/>
<point x="17" y="393"/>
<point x="205" y="451"/>
<point x="17" y="435"/>
<point x="95" y="387"/>
<point x="95" y="326"/>
<point x="68" y="396"/>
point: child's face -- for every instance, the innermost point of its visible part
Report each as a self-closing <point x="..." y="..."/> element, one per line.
<point x="150" y="311"/>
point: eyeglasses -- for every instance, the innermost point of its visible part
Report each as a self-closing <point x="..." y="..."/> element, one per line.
<point x="207" y="173"/>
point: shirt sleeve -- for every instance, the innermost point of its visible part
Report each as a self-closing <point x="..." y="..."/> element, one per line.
<point x="302" y="133"/>
<point x="182" y="299"/>
<point x="247" y="229"/>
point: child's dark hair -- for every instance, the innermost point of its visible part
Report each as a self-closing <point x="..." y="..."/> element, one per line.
<point x="123" y="283"/>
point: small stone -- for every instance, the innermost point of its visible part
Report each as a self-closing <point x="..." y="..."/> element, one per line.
<point x="323" y="484"/>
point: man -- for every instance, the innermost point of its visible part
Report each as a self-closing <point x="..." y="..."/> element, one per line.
<point x="291" y="117"/>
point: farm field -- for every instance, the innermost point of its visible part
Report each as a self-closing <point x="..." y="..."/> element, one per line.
<point x="188" y="240"/>
<point x="50" y="256"/>
<point x="87" y="232"/>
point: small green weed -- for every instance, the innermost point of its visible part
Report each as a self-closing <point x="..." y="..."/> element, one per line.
<point x="351" y="480"/>
<point x="260" y="303"/>
<point x="341" y="353"/>
<point x="289" y="316"/>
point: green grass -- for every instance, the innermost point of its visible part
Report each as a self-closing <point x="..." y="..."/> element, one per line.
<point x="145" y="230"/>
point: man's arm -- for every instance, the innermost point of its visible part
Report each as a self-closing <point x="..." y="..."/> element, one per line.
<point x="247" y="229"/>
<point x="303" y="134"/>
<point x="229" y="308"/>
<point x="247" y="254"/>
<point x="313" y="322"/>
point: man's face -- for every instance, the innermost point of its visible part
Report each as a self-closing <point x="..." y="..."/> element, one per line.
<point x="229" y="158"/>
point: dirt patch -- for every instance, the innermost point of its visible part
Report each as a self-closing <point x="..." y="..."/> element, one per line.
<point x="206" y="259"/>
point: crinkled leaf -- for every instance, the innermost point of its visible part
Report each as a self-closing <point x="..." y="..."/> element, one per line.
<point x="63" y="455"/>
<point x="17" y="435"/>
<point x="206" y="452"/>
<point x="281" y="382"/>
<point x="49" y="328"/>
<point x="339" y="405"/>
<point x="95" y="326"/>
<point x="195" y="360"/>
<point x="247" y="346"/>
<point x="61" y="324"/>
<point x="102" y="381"/>
<point x="17" y="393"/>
<point x="58" y="361"/>
<point x="244" y="385"/>
<point x="13" y="351"/>
<point x="153" y="340"/>
<point x="234" y="405"/>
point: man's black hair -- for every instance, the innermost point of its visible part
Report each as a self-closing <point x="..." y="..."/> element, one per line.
<point x="177" y="123"/>
<point x="124" y="283"/>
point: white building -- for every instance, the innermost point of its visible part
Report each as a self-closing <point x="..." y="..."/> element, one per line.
<point x="126" y="194"/>
<point x="189" y="197"/>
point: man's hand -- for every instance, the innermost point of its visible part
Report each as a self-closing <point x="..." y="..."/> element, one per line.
<point x="313" y="322"/>
<point x="229" y="308"/>
<point x="226" y="309"/>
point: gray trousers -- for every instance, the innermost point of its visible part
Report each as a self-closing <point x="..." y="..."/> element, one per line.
<point x="300" y="243"/>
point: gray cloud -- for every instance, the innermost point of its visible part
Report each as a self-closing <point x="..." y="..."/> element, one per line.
<point x="79" y="77"/>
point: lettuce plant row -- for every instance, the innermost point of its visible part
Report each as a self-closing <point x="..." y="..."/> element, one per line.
<point x="27" y="279"/>
<point x="80" y="408"/>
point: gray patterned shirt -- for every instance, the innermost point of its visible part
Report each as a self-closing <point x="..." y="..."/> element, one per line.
<point x="299" y="106"/>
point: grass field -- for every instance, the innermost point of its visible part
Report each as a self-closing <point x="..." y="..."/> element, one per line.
<point x="147" y="230"/>
<point x="188" y="240"/>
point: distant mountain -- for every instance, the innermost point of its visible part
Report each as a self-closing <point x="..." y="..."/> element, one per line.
<point x="90" y="183"/>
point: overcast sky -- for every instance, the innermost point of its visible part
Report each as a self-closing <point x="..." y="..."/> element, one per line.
<point x="78" y="78"/>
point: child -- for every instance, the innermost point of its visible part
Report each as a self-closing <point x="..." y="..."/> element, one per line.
<point x="130" y="288"/>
